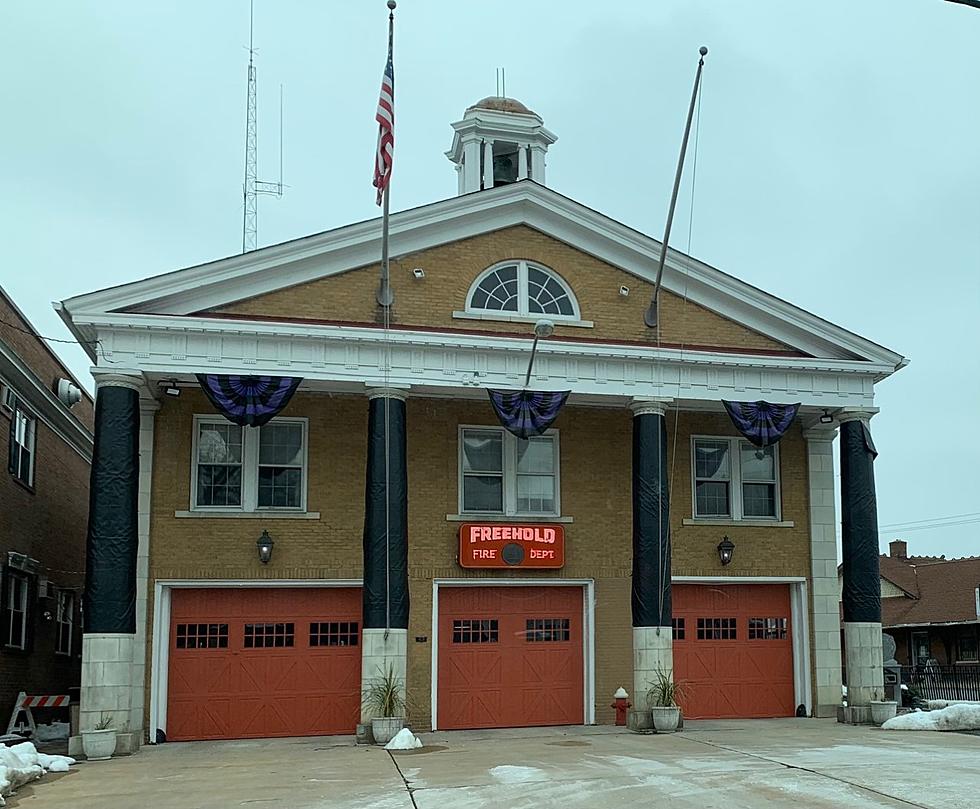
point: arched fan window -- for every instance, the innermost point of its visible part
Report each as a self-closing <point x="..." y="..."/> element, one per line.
<point x="524" y="289"/>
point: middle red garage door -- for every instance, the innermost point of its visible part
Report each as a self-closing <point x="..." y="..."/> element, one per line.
<point x="510" y="657"/>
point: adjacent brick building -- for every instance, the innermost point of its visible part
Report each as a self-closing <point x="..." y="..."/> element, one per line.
<point x="235" y="636"/>
<point x="46" y="443"/>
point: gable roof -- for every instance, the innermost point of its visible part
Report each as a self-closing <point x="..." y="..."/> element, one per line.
<point x="218" y="283"/>
<point x="941" y="590"/>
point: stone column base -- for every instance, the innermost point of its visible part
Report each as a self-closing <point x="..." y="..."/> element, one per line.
<point x="653" y="651"/>
<point x="107" y="687"/>
<point x="378" y="654"/>
<point x="865" y="672"/>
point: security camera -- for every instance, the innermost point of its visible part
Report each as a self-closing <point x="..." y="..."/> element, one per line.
<point x="418" y="272"/>
<point x="624" y="291"/>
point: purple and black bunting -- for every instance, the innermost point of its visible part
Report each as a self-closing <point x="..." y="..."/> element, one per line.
<point x="761" y="422"/>
<point x="250" y="401"/>
<point x="527" y="412"/>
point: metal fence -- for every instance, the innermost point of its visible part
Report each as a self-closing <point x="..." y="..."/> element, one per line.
<point x="943" y="682"/>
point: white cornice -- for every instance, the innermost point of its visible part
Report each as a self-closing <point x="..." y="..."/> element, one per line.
<point x="332" y="252"/>
<point x="178" y="346"/>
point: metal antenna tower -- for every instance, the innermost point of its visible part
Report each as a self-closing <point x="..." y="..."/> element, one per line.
<point x="253" y="186"/>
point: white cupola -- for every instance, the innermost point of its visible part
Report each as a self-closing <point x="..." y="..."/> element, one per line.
<point x="499" y="141"/>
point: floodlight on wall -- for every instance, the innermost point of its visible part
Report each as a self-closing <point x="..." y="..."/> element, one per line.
<point x="624" y="291"/>
<point x="264" y="545"/>
<point x="171" y="389"/>
<point x="826" y="418"/>
<point x="419" y="273"/>
<point x="726" y="549"/>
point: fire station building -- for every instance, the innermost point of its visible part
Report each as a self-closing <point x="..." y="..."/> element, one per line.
<point x="290" y="495"/>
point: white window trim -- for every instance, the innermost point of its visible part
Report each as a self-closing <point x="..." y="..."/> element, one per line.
<point x="31" y="437"/>
<point x="735" y="483"/>
<point x="509" y="475"/>
<point x="26" y="583"/>
<point x="250" y="469"/>
<point x="70" y="622"/>
<point x="523" y="313"/>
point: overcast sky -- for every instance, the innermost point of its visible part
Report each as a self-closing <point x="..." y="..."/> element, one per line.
<point x="838" y="163"/>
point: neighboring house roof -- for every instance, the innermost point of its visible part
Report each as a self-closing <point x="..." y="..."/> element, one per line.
<point x="940" y="591"/>
<point x="207" y="286"/>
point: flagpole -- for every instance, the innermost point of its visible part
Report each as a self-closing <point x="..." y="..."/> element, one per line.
<point x="385" y="296"/>
<point x="651" y="315"/>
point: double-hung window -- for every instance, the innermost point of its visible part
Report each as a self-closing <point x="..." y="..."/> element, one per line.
<point x="734" y="479"/>
<point x="15" y="614"/>
<point x="66" y="622"/>
<point x="249" y="468"/>
<point x="23" y="439"/>
<point x="503" y="474"/>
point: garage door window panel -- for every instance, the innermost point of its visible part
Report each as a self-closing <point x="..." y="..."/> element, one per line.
<point x="735" y="480"/>
<point x="503" y="474"/>
<point x="476" y="631"/>
<point x="334" y="633"/>
<point x="249" y="468"/>
<point x="269" y="636"/>
<point x="767" y="628"/>
<point x="717" y="629"/>
<point x="547" y="630"/>
<point x="201" y="636"/>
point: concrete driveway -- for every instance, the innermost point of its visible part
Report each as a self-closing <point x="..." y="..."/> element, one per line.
<point x="798" y="763"/>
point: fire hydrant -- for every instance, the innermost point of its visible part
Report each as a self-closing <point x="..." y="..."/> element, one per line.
<point x="621" y="704"/>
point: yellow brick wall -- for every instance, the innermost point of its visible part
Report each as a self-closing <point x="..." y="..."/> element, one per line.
<point x="595" y="448"/>
<point x="450" y="269"/>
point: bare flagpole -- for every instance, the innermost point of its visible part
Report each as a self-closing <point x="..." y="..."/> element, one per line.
<point x="650" y="317"/>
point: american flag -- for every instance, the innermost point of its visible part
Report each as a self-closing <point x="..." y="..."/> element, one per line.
<point x="385" y="116"/>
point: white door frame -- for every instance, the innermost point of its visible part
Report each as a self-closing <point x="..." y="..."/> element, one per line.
<point x="799" y="616"/>
<point x="160" y="655"/>
<point x="588" y="633"/>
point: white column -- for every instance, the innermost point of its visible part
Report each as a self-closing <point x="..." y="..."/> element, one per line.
<point x="862" y="639"/>
<point x="148" y="410"/>
<point x="471" y="166"/>
<point x="653" y="646"/>
<point x="521" y="161"/>
<point x="107" y="676"/>
<point x="823" y="572"/>
<point x="488" y="164"/>
<point x="537" y="164"/>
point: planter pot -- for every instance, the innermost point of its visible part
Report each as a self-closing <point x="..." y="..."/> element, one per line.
<point x="385" y="729"/>
<point x="665" y="719"/>
<point x="99" y="745"/>
<point x="639" y="720"/>
<point x="882" y="710"/>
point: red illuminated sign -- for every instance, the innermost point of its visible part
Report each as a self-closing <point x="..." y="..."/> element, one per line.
<point x="511" y="545"/>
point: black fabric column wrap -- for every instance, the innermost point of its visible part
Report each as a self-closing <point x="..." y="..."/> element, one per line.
<point x="374" y="517"/>
<point x="651" y="522"/>
<point x="861" y="595"/>
<point x="110" y="565"/>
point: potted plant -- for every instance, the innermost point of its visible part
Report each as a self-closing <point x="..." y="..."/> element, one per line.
<point x="662" y="699"/>
<point x="882" y="709"/>
<point x="99" y="743"/>
<point x="383" y="698"/>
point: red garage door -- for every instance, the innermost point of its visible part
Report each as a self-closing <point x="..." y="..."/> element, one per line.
<point x="263" y="662"/>
<point x="733" y="650"/>
<point x="510" y="657"/>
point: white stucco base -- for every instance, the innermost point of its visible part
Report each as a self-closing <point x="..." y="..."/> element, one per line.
<point x="378" y="654"/>
<point x="107" y="686"/>
<point x="653" y="651"/>
<point x="865" y="674"/>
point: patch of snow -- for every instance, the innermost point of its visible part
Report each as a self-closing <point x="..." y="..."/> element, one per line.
<point x="961" y="716"/>
<point x="22" y="763"/>
<point x="512" y="774"/>
<point x="620" y="693"/>
<point x="404" y="740"/>
<point x="52" y="732"/>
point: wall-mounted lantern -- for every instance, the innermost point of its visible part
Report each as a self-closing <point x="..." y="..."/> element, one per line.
<point x="264" y="544"/>
<point x="726" y="548"/>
